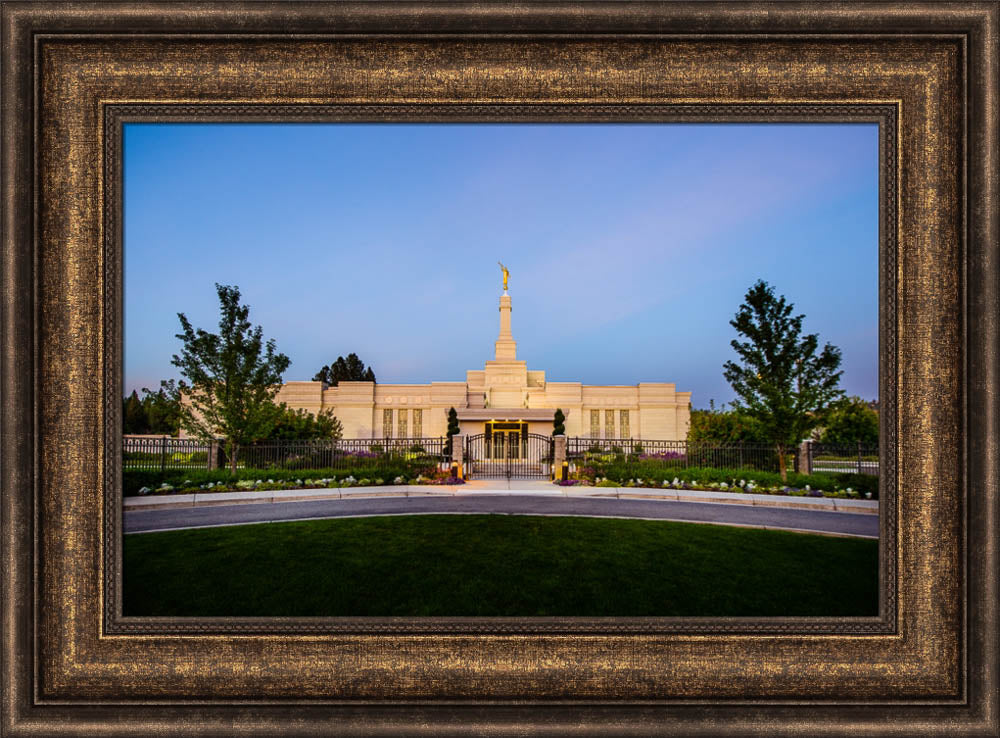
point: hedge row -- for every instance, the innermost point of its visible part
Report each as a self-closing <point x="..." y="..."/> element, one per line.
<point x="135" y="479"/>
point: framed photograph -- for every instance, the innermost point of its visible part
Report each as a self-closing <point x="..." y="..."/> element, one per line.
<point x="153" y="150"/>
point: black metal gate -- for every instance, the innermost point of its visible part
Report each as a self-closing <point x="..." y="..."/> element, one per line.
<point x="508" y="454"/>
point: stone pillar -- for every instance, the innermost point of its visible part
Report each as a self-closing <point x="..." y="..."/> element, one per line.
<point x="214" y="449"/>
<point x="558" y="456"/>
<point x="506" y="348"/>
<point x="458" y="452"/>
<point x="805" y="457"/>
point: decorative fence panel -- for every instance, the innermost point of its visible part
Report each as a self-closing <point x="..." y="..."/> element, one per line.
<point x="365" y="455"/>
<point x="853" y="458"/>
<point x="151" y="453"/>
<point x="678" y="454"/>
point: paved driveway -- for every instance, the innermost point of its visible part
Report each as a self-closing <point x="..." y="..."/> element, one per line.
<point x="841" y="523"/>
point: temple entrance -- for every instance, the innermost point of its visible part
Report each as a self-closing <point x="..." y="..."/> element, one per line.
<point x="507" y="451"/>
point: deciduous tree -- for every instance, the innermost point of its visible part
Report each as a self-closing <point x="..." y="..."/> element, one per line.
<point x="850" y="421"/>
<point x="230" y="377"/>
<point x="302" y="425"/>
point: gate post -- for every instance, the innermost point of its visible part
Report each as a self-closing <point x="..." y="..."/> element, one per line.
<point x="560" y="469"/>
<point x="805" y="457"/>
<point x="458" y="452"/>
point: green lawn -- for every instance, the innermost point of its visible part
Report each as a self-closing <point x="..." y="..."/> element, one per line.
<point x="497" y="565"/>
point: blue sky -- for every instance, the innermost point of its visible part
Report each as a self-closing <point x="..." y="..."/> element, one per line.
<point x="630" y="247"/>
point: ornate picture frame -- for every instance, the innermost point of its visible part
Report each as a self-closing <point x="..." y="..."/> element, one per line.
<point x="74" y="74"/>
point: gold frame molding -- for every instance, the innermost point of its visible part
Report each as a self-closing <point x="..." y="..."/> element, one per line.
<point x="73" y="73"/>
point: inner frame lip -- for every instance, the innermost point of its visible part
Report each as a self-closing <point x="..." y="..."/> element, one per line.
<point x="884" y="113"/>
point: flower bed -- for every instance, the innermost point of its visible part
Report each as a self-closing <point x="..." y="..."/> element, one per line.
<point x="137" y="482"/>
<point x="856" y="486"/>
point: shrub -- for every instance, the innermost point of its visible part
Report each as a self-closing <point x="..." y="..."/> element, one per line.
<point x="860" y="482"/>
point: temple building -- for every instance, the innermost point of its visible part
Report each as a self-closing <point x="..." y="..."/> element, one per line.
<point x="505" y="395"/>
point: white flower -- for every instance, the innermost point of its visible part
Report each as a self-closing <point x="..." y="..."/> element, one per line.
<point x="743" y="483"/>
<point x="397" y="480"/>
<point x="144" y="490"/>
<point x="808" y="488"/>
<point x="724" y="485"/>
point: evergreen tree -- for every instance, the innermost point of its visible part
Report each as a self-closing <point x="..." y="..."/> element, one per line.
<point x="782" y="382"/>
<point x="351" y="369"/>
<point x="162" y="409"/>
<point x="453" y="429"/>
<point x="230" y="378"/>
<point x="134" y="415"/>
<point x="559" y="423"/>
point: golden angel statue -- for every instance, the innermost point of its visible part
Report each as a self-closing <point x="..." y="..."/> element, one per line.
<point x="505" y="275"/>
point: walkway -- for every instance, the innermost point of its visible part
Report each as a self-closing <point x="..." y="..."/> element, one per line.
<point x="521" y="499"/>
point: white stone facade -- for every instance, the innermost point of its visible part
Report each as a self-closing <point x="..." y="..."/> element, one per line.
<point x="505" y="389"/>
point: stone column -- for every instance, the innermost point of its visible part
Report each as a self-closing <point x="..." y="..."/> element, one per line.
<point x="458" y="452"/>
<point x="558" y="456"/>
<point x="805" y="457"/>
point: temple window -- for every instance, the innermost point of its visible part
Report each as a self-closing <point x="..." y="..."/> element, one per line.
<point x="609" y="424"/>
<point x="418" y="423"/>
<point x="401" y="414"/>
<point x="387" y="423"/>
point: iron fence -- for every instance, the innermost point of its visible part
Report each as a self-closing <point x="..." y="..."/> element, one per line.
<point x="364" y="455"/>
<point x="855" y="458"/>
<point x="678" y="454"/>
<point x="151" y="453"/>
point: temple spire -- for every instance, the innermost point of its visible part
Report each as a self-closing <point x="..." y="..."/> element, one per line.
<point x="506" y="348"/>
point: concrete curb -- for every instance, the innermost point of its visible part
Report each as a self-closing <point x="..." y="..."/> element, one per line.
<point x="836" y="504"/>
<point x="830" y="504"/>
